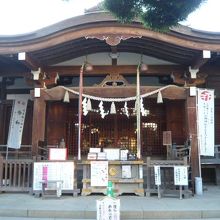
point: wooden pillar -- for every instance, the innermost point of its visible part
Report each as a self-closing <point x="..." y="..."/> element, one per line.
<point x="191" y="125"/>
<point x="2" y="109"/>
<point x="1" y="170"/>
<point x="2" y="121"/>
<point x="38" y="127"/>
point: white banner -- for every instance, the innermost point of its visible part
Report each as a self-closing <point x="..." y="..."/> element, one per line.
<point x="17" y="123"/>
<point x="206" y="128"/>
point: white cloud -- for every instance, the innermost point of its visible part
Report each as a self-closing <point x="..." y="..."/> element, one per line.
<point x="206" y="17"/>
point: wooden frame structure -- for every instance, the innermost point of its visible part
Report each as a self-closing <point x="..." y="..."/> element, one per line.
<point x="51" y="49"/>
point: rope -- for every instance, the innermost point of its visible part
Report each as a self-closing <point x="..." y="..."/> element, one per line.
<point x="133" y="98"/>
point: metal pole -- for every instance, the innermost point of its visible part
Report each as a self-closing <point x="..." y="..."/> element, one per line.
<point x="138" y="113"/>
<point x="80" y="110"/>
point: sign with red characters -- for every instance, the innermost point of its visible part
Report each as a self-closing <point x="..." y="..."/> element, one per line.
<point x="206" y="129"/>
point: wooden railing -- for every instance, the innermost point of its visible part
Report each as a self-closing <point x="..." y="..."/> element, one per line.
<point x="25" y="152"/>
<point x="212" y="160"/>
<point x="167" y="176"/>
<point x="16" y="175"/>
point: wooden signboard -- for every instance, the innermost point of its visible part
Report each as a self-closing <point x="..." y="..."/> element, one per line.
<point x="167" y="138"/>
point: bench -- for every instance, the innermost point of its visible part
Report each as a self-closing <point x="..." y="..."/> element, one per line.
<point x="51" y="188"/>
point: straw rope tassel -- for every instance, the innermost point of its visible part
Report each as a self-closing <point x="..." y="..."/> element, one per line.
<point x="113" y="108"/>
<point x="66" y="97"/>
<point x="84" y="105"/>
<point x="89" y="105"/>
<point x="159" y="97"/>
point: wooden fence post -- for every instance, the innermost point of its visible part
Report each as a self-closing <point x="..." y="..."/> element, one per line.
<point x="1" y="171"/>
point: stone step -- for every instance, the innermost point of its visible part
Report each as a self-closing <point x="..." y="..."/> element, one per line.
<point x="127" y="214"/>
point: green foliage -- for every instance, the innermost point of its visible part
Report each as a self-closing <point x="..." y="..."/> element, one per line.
<point x="155" y="14"/>
<point x="124" y="10"/>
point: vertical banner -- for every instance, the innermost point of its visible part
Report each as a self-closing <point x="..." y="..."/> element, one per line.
<point x="17" y="123"/>
<point x="206" y="130"/>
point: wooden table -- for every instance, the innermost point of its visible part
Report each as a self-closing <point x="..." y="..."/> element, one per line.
<point x="121" y="185"/>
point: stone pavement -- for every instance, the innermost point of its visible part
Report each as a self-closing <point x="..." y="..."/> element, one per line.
<point x="21" y="206"/>
<point x="26" y="218"/>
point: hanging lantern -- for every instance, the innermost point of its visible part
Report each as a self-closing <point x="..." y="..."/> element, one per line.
<point x="159" y="97"/>
<point x="66" y="97"/>
<point x="113" y="108"/>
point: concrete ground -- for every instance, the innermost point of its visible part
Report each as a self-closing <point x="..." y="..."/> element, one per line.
<point x="26" y="218"/>
<point x="20" y="206"/>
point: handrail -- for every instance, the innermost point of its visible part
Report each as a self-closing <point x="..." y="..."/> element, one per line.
<point x="212" y="160"/>
<point x="24" y="152"/>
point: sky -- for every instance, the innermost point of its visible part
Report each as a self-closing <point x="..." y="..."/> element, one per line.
<point x="24" y="16"/>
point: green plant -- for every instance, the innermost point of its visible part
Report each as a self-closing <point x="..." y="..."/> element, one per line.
<point x="155" y="14"/>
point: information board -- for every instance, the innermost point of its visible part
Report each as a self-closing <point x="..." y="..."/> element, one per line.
<point x="180" y="176"/>
<point x="157" y="176"/>
<point x="108" y="208"/>
<point x="126" y="171"/>
<point x="99" y="173"/>
<point x="54" y="171"/>
<point x="57" y="153"/>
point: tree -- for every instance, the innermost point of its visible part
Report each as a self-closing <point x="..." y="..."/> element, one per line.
<point x="155" y="14"/>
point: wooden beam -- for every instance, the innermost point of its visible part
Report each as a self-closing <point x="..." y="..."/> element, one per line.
<point x="28" y="61"/>
<point x="126" y="70"/>
<point x="199" y="62"/>
<point x="122" y="69"/>
<point x="188" y="81"/>
<point x="92" y="29"/>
